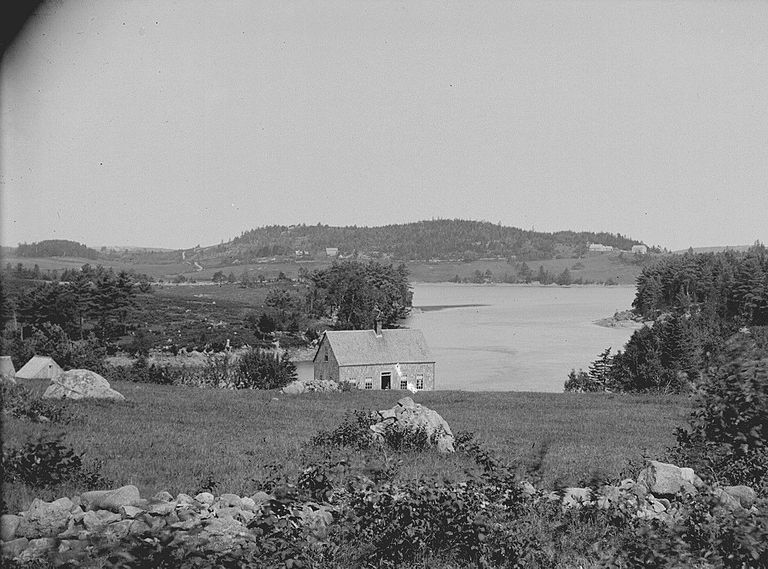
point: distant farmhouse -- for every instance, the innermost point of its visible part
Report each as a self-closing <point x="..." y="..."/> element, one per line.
<point x="599" y="248"/>
<point x="376" y="359"/>
<point x="332" y="251"/>
<point x="639" y="249"/>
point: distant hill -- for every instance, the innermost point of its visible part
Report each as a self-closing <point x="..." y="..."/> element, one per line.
<point x="56" y="248"/>
<point x="718" y="249"/>
<point x="448" y="239"/>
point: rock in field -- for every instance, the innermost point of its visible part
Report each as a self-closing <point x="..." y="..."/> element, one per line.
<point x="8" y="525"/>
<point x="744" y="494"/>
<point x="81" y="384"/>
<point x="411" y="416"/>
<point x="663" y="479"/>
<point x="45" y="519"/>
<point x="313" y="385"/>
<point x="111" y="500"/>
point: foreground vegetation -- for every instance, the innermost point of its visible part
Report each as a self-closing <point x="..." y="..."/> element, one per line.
<point x="335" y="501"/>
<point x="182" y="439"/>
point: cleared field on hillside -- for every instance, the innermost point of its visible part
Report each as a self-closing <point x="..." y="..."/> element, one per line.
<point x="596" y="268"/>
<point x="180" y="439"/>
<point x="159" y="270"/>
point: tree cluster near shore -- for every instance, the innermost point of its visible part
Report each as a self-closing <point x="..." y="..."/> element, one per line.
<point x="696" y="302"/>
<point x="354" y="295"/>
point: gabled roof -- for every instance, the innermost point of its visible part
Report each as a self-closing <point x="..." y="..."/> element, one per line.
<point x="39" y="367"/>
<point x="363" y="347"/>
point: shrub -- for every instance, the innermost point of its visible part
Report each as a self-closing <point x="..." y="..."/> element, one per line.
<point x="47" y="462"/>
<point x="728" y="434"/>
<point x="400" y="438"/>
<point x="395" y="526"/>
<point x="259" y="369"/>
<point x="22" y="403"/>
<point x="354" y="432"/>
<point x="581" y="382"/>
<point x="702" y="535"/>
<point x="51" y="340"/>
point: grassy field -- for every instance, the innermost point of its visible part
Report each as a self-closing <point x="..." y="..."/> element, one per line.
<point x="180" y="439"/>
<point x="595" y="268"/>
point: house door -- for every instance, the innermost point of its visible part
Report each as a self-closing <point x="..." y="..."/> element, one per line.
<point x="386" y="380"/>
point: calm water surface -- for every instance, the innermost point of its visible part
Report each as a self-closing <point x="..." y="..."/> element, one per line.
<point x="515" y="338"/>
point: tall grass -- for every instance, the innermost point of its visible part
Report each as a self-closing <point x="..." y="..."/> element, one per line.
<point x="184" y="439"/>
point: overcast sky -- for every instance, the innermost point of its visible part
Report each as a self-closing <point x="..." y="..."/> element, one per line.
<point x="168" y="124"/>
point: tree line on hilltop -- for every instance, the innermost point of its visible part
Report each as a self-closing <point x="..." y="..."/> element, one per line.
<point x="56" y="248"/>
<point x="695" y="303"/>
<point x="451" y="239"/>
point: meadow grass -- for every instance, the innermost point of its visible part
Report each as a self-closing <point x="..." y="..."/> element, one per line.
<point x="596" y="268"/>
<point x="184" y="439"/>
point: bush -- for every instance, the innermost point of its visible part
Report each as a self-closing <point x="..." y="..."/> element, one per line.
<point x="259" y="369"/>
<point x="47" y="462"/>
<point x="51" y="340"/>
<point x="144" y="372"/>
<point x="22" y="403"/>
<point x="353" y="432"/>
<point x="581" y="382"/>
<point x="728" y="434"/>
<point x="703" y="535"/>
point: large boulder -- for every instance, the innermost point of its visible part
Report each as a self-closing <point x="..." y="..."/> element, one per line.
<point x="410" y="416"/>
<point x="663" y="479"/>
<point x="81" y="384"/>
<point x="112" y="500"/>
<point x="44" y="519"/>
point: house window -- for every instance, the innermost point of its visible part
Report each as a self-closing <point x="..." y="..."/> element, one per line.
<point x="419" y="381"/>
<point x="369" y="383"/>
<point x="326" y="356"/>
<point x="403" y="384"/>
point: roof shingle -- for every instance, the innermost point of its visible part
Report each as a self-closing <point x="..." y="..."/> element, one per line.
<point x="363" y="347"/>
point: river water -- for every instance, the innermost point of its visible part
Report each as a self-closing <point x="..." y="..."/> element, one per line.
<point x="512" y="337"/>
<point x="515" y="338"/>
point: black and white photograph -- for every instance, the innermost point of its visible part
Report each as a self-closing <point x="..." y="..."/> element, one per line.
<point x="342" y="284"/>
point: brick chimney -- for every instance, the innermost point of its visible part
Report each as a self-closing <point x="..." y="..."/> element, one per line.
<point x="377" y="327"/>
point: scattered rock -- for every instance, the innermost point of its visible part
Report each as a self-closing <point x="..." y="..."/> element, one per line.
<point x="131" y="511"/>
<point x="744" y="494"/>
<point x="37" y="548"/>
<point x="411" y="416"/>
<point x="576" y="497"/>
<point x="118" y="530"/>
<point x="311" y="385"/>
<point x="8" y="525"/>
<point x="663" y="479"/>
<point x="164" y="496"/>
<point x="111" y="499"/>
<point x="44" y="519"/>
<point x="81" y="384"/>
<point x="186" y="499"/>
<point x="15" y="547"/>
<point x="261" y="498"/>
<point x="205" y="498"/>
<point x="727" y="500"/>
<point x="160" y="508"/>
